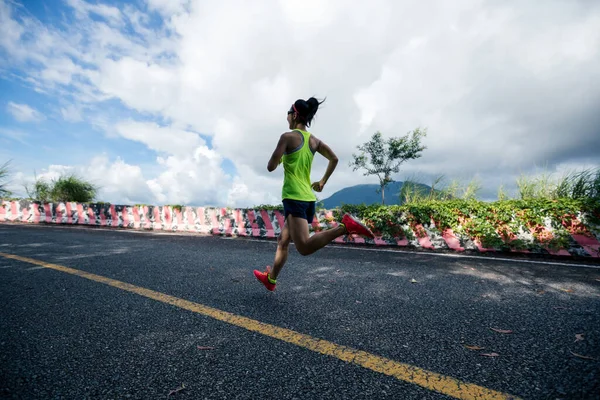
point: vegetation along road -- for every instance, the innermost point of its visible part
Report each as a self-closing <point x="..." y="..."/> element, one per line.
<point x="90" y="313"/>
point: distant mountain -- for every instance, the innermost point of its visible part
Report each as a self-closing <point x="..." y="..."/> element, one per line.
<point x="367" y="194"/>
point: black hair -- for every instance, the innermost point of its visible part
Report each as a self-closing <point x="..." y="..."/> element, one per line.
<point x="306" y="109"/>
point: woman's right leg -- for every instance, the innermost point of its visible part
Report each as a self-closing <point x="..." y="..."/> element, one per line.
<point x="305" y="244"/>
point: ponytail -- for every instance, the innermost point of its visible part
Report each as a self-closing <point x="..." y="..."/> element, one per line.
<point x="306" y="109"/>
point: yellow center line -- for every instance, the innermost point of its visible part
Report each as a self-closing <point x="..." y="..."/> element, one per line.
<point x="404" y="372"/>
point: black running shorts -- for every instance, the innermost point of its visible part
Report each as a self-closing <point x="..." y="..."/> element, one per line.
<point x="299" y="209"/>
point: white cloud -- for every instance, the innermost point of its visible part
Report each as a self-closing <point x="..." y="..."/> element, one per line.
<point x="249" y="189"/>
<point x="161" y="139"/>
<point x="500" y="86"/>
<point x="117" y="181"/>
<point x="60" y="71"/>
<point x="71" y="113"/>
<point x="196" y="179"/>
<point x="23" y="113"/>
<point x="16" y="135"/>
<point x="139" y="85"/>
<point x="83" y="9"/>
<point x="168" y="7"/>
<point x="10" y="30"/>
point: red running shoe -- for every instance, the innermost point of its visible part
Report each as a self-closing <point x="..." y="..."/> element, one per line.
<point x="263" y="277"/>
<point x="354" y="227"/>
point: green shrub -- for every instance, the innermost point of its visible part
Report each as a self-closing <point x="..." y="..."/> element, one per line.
<point x="68" y="188"/>
<point x="40" y="191"/>
<point x="72" y="188"/>
<point x="495" y="224"/>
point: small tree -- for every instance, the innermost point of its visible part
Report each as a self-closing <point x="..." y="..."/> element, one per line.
<point x="4" y="173"/>
<point x="383" y="158"/>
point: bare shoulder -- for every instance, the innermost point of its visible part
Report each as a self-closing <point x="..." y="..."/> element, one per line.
<point x="288" y="135"/>
<point x="289" y="140"/>
<point x="285" y="137"/>
<point x="315" y="142"/>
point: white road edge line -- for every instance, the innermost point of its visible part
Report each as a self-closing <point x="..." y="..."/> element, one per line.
<point x="451" y="255"/>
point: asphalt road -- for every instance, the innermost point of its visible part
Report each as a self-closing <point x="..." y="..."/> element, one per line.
<point x="63" y="336"/>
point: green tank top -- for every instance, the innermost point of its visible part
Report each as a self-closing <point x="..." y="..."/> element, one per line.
<point x="297" y="166"/>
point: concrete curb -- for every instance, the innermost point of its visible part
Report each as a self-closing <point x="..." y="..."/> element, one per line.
<point x="247" y="223"/>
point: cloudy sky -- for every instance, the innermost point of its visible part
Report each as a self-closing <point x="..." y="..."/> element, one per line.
<point x="173" y="101"/>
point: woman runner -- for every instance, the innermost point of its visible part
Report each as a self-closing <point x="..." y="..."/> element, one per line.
<point x="296" y="150"/>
